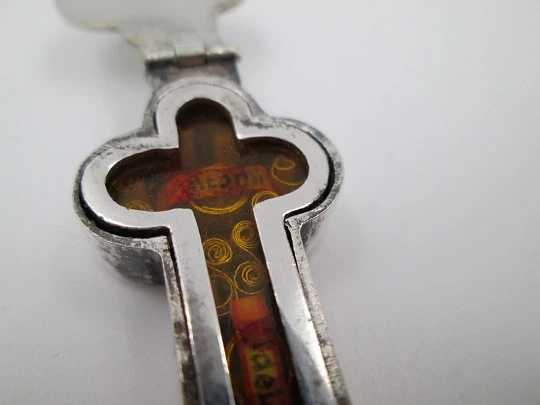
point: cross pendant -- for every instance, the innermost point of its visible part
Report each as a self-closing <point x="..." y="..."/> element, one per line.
<point x="216" y="199"/>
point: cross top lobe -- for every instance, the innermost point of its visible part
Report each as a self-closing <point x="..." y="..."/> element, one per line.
<point x="210" y="165"/>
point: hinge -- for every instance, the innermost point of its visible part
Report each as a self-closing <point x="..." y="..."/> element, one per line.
<point x="167" y="32"/>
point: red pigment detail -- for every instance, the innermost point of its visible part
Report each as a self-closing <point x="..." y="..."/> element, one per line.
<point x="258" y="350"/>
<point x="216" y="182"/>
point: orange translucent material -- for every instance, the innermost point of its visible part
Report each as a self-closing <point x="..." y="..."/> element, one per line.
<point x="221" y="179"/>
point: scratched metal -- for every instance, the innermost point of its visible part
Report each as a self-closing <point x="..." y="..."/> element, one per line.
<point x="185" y="61"/>
<point x="314" y="360"/>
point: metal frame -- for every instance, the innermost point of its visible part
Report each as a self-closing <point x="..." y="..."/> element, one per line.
<point x="142" y="245"/>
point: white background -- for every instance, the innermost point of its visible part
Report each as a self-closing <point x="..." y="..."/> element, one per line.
<point x="429" y="267"/>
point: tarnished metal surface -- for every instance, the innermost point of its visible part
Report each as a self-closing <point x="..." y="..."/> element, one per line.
<point x="301" y="211"/>
<point x="187" y="62"/>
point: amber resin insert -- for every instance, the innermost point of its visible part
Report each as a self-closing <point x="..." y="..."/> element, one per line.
<point x="221" y="179"/>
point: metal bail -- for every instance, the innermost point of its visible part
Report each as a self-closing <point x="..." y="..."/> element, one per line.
<point x="179" y="31"/>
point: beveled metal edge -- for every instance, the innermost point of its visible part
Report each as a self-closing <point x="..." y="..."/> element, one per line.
<point x="144" y="261"/>
<point x="302" y="228"/>
<point x="302" y="225"/>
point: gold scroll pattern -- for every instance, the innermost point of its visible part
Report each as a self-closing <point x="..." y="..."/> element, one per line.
<point x="217" y="251"/>
<point x="234" y="258"/>
<point x="206" y="209"/>
<point x="138" y="205"/>
<point x="244" y="234"/>
<point x="235" y="274"/>
<point x="220" y="179"/>
<point x="224" y="290"/>
<point x="262" y="196"/>
<point x="283" y="170"/>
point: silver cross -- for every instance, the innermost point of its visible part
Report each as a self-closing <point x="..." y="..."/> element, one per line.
<point x="153" y="247"/>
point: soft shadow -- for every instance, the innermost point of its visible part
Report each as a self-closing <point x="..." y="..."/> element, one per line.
<point x="337" y="245"/>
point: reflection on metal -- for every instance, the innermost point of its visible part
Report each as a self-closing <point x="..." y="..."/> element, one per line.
<point x="212" y="168"/>
<point x="218" y="209"/>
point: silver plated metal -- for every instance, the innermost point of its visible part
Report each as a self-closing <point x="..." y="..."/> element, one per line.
<point x="157" y="247"/>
